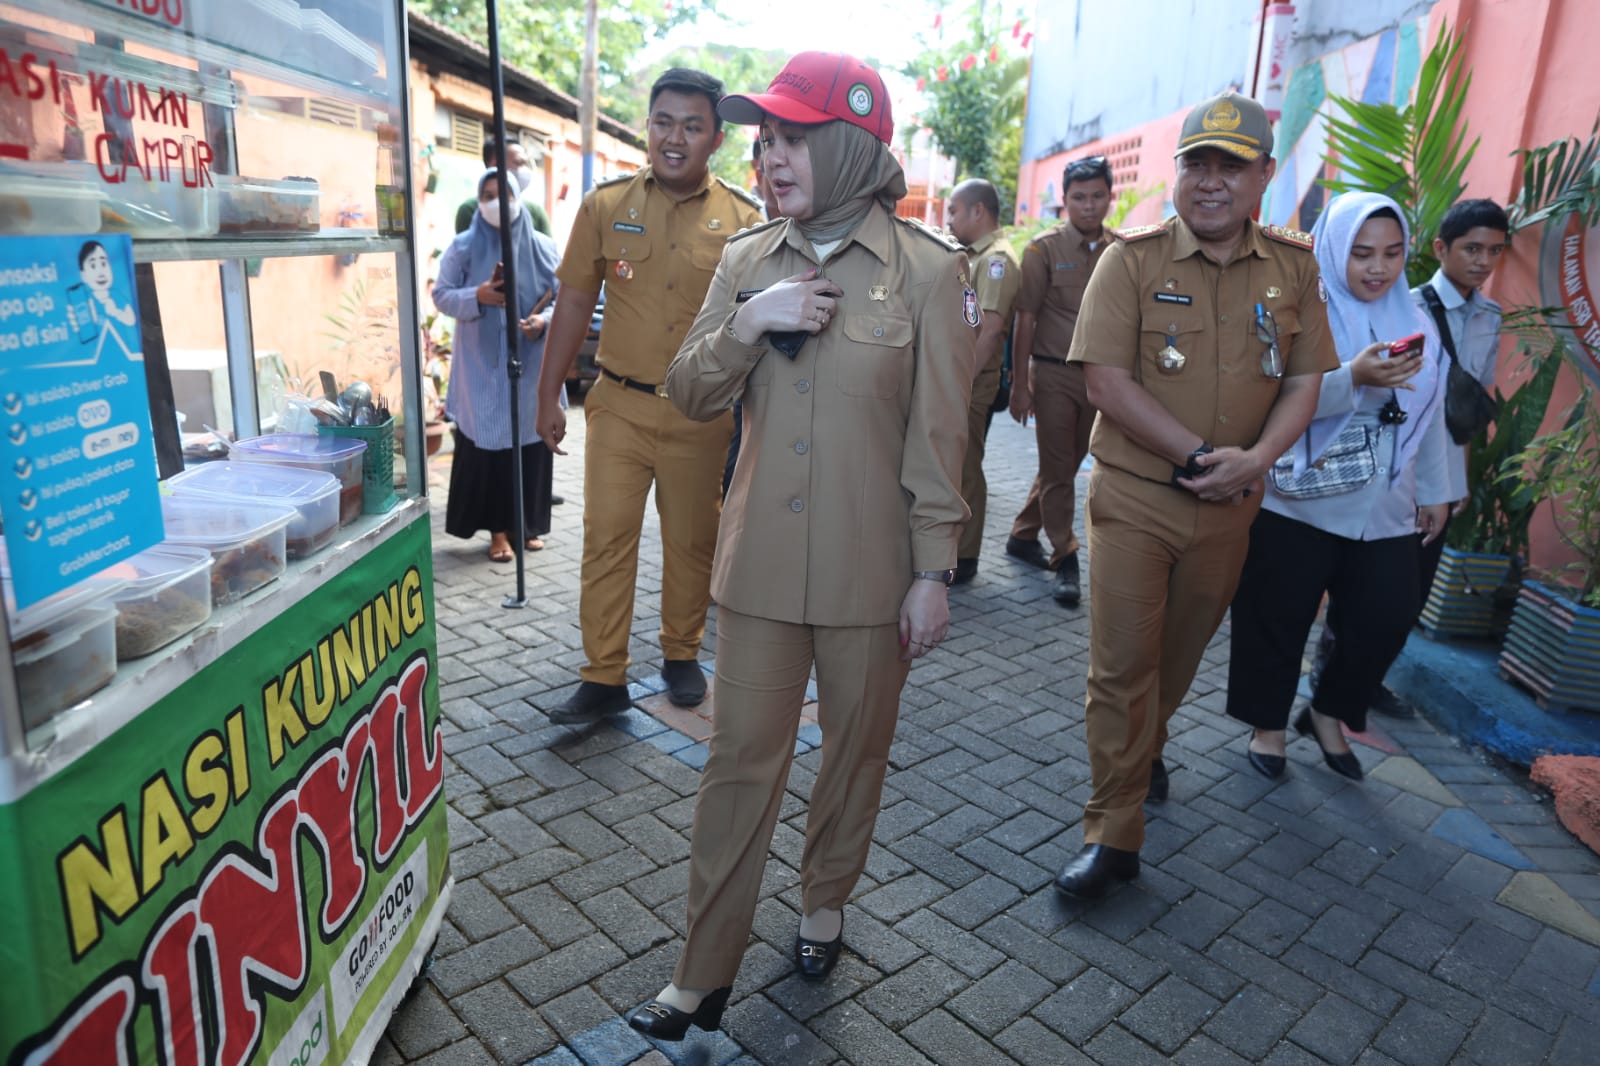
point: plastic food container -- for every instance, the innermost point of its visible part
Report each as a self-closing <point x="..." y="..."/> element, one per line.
<point x="31" y="205"/>
<point x="313" y="494"/>
<point x="168" y="594"/>
<point x="64" y="647"/>
<point x="160" y="209"/>
<point x="257" y="207"/>
<point x="246" y="541"/>
<point x="78" y="659"/>
<point x="331" y="455"/>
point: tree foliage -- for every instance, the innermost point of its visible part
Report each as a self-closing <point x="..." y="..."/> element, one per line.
<point x="975" y="90"/>
<point x="1416" y="155"/>
<point x="545" y="38"/>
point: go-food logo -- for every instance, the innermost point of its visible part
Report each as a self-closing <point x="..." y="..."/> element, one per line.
<point x="860" y="99"/>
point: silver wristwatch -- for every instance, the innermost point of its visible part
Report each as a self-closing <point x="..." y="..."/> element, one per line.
<point x="944" y="577"/>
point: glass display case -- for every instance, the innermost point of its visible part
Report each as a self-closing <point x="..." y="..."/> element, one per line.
<point x="220" y="794"/>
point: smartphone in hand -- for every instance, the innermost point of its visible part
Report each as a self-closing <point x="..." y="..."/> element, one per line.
<point x="1407" y="347"/>
<point x="498" y="278"/>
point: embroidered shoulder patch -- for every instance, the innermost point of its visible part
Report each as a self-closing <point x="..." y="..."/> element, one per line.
<point x="1138" y="233"/>
<point x="997" y="267"/>
<point x="1286" y="235"/>
<point x="969" y="307"/>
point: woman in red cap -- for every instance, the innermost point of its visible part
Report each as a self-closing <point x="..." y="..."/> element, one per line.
<point x="848" y="336"/>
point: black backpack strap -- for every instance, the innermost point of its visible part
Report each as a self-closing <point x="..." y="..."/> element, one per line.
<point x="1436" y="306"/>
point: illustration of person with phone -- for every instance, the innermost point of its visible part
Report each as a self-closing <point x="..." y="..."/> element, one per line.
<point x="92" y="303"/>
<point x="471" y="289"/>
<point x="1343" y="508"/>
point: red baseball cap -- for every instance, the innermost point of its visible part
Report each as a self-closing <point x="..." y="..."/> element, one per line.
<point x="818" y="87"/>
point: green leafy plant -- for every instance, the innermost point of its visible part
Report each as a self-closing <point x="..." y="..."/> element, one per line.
<point x="1495" y="516"/>
<point x="1416" y="155"/>
<point x="1558" y="179"/>
<point x="1560" y="467"/>
<point x="364" y="336"/>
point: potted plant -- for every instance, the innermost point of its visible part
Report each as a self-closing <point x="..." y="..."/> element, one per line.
<point x="1481" y="567"/>
<point x="1553" y="646"/>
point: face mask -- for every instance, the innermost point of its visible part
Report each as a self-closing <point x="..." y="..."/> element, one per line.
<point x="490" y="210"/>
<point x="523" y="176"/>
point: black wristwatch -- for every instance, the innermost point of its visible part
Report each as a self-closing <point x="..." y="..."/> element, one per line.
<point x="1191" y="467"/>
<point x="944" y="577"/>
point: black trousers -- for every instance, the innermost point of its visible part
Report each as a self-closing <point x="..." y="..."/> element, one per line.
<point x="1289" y="568"/>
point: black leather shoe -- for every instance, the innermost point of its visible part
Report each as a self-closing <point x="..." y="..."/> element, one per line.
<point x="815" y="959"/>
<point x="1095" y="869"/>
<point x="1269" y="766"/>
<point x="1389" y="705"/>
<point x="661" y="1022"/>
<point x="1344" y="763"/>
<point x="1027" y="551"/>
<point x="1066" y="591"/>
<point x="966" y="570"/>
<point x="1158" y="782"/>
<point x="591" y="702"/>
<point x="686" y="682"/>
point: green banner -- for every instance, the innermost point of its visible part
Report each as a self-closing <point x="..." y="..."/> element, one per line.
<point x="246" y="872"/>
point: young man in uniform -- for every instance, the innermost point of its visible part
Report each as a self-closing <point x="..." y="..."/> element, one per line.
<point x="1203" y="342"/>
<point x="974" y="220"/>
<point x="1055" y="272"/>
<point x="653" y="238"/>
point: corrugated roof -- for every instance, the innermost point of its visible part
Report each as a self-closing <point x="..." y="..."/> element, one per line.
<point x="519" y="83"/>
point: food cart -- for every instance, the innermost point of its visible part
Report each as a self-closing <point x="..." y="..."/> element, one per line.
<point x="222" y="824"/>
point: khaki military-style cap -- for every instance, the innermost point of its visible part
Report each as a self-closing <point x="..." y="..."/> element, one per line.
<point x="1234" y="123"/>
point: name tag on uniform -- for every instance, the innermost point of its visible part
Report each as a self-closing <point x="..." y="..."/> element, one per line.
<point x="745" y="294"/>
<point x="627" y="227"/>
<point x="1066" y="266"/>
<point x="1174" y="298"/>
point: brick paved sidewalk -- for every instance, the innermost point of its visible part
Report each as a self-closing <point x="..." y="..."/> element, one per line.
<point x="1436" y="913"/>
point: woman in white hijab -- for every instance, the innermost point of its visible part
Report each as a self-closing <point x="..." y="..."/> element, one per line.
<point x="1343" y="508"/>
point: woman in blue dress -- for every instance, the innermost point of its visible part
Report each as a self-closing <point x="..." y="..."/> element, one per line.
<point x="478" y="400"/>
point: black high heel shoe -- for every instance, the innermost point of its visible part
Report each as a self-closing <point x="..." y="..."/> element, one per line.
<point x="1345" y="763"/>
<point x="661" y="1022"/>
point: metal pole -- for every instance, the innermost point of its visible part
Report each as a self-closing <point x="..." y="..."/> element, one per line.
<point x="588" y="105"/>
<point x="513" y="334"/>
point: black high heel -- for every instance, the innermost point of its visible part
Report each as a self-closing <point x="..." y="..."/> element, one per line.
<point x="1345" y="763"/>
<point x="661" y="1022"/>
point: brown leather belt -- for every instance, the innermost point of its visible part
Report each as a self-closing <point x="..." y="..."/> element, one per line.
<point x="654" y="390"/>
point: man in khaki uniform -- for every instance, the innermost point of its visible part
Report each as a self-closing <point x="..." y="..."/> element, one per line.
<point x="974" y="220"/>
<point x="653" y="239"/>
<point x="1056" y="267"/>
<point x="1198" y="393"/>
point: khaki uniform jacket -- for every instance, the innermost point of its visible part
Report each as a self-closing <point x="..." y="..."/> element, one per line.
<point x="655" y="256"/>
<point x="1156" y="289"/>
<point x="997" y="277"/>
<point x="850" y="471"/>
<point x="1056" y="267"/>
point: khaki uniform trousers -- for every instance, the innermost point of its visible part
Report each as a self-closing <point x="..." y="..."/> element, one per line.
<point x="1163" y="567"/>
<point x="974" y="486"/>
<point x="634" y="438"/>
<point x="1062" y="418"/>
<point x="762" y="669"/>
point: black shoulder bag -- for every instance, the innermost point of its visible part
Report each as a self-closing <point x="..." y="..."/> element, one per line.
<point x="1468" y="407"/>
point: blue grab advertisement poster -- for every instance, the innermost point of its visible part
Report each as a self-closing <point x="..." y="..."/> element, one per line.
<point x="77" y="462"/>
